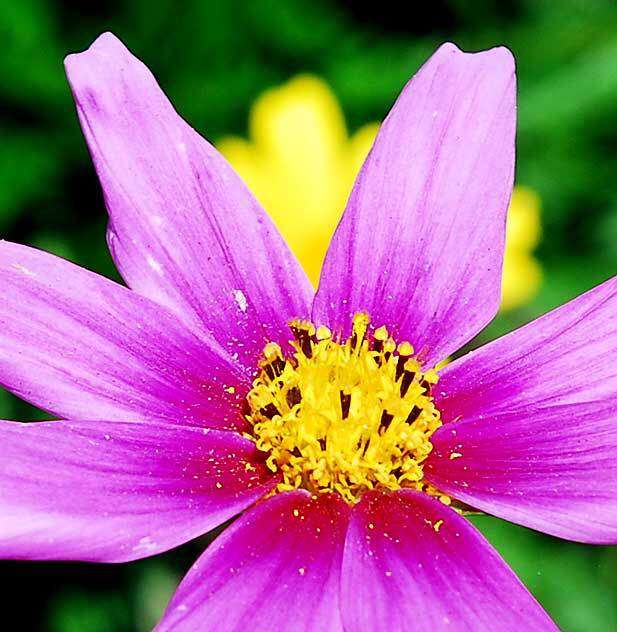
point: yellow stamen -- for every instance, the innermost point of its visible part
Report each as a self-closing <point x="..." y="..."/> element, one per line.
<point x="344" y="417"/>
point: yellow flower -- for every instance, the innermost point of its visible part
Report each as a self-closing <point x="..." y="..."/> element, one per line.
<point x="301" y="164"/>
<point x="522" y="273"/>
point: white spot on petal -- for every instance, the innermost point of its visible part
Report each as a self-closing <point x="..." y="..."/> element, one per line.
<point x="154" y="264"/>
<point x="21" y="268"/>
<point x="240" y="300"/>
<point x="145" y="544"/>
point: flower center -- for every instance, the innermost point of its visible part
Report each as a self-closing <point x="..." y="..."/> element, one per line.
<point x="344" y="417"/>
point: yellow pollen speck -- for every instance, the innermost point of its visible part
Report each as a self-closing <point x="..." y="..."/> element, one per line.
<point x="296" y="513"/>
<point x="455" y="455"/>
<point x="301" y="571"/>
<point x="437" y="525"/>
<point x="218" y="486"/>
<point x="344" y="416"/>
<point x="231" y="390"/>
<point x="371" y="525"/>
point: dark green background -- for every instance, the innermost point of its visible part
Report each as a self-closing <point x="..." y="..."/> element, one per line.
<point x="213" y="58"/>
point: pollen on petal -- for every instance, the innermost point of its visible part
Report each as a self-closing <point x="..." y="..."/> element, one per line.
<point x="240" y="299"/>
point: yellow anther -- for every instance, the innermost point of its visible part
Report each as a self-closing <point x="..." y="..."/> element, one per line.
<point x="389" y="345"/>
<point x="323" y="333"/>
<point x="303" y="325"/>
<point x="360" y="324"/>
<point x="381" y="333"/>
<point x="344" y="416"/>
<point x="431" y="376"/>
<point x="271" y="351"/>
<point x="405" y="349"/>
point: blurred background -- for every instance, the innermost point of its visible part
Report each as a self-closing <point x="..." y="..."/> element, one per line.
<point x="216" y="59"/>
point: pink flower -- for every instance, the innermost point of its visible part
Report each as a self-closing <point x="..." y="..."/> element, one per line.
<point x="184" y="404"/>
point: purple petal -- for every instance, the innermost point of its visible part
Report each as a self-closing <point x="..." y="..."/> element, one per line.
<point x="411" y="563"/>
<point x="184" y="229"/>
<point x="552" y="469"/>
<point x="420" y="246"/>
<point x="568" y="355"/>
<point x="79" y="345"/>
<point x="276" y="568"/>
<point x="114" y="491"/>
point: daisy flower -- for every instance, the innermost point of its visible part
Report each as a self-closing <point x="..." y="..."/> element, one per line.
<point x="218" y="383"/>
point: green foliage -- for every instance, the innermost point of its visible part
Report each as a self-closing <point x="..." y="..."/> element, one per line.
<point x="574" y="582"/>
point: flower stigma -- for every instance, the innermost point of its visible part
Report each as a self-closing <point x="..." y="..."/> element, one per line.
<point x="344" y="416"/>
